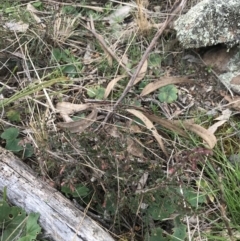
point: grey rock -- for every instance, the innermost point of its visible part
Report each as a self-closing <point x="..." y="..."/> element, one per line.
<point x="232" y="77"/>
<point x="208" y="23"/>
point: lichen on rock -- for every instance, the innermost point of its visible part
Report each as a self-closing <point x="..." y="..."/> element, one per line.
<point x="210" y="22"/>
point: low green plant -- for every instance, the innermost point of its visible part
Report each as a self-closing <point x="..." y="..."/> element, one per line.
<point x="16" y="224"/>
<point x="168" y="94"/>
<point x="96" y="92"/>
<point x="71" y="65"/>
<point x="13" y="142"/>
<point x="13" y="115"/>
<point x="80" y="191"/>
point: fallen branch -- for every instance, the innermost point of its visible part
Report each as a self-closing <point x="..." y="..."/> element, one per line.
<point x="59" y="218"/>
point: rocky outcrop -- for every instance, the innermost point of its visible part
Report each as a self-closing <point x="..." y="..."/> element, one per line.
<point x="208" y="23"/>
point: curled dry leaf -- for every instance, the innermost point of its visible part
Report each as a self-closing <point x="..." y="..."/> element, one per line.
<point x="168" y="124"/>
<point x="226" y="114"/>
<point x="133" y="148"/>
<point x="81" y="125"/>
<point x="150" y="127"/>
<point x="142" y="182"/>
<point x="214" y="127"/>
<point x="141" y="73"/>
<point x="111" y="85"/>
<point x="66" y="108"/>
<point x="205" y="134"/>
<point x="162" y="82"/>
<point x="233" y="103"/>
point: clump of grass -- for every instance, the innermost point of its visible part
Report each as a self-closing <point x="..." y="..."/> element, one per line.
<point x="142" y="18"/>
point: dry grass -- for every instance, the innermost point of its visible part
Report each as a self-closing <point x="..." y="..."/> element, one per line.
<point x="135" y="165"/>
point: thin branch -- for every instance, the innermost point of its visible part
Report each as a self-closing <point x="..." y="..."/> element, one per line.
<point x="175" y="10"/>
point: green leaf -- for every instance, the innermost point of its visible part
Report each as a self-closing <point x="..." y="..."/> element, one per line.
<point x="13" y="115"/>
<point x="12" y="145"/>
<point x="100" y="93"/>
<point x="70" y="70"/>
<point x="179" y="230"/>
<point x="97" y="92"/>
<point x="28" y="150"/>
<point x="10" y="10"/>
<point x="168" y="94"/>
<point x="156" y="235"/>
<point x="37" y="4"/>
<point x="193" y="198"/>
<point x="32" y="227"/>
<point x="161" y="209"/>
<point x="17" y="225"/>
<point x="57" y="54"/>
<point x="10" y="133"/>
<point x="91" y="92"/>
<point x="69" y="9"/>
<point x="155" y="60"/>
<point x="80" y="191"/>
<point x="13" y="220"/>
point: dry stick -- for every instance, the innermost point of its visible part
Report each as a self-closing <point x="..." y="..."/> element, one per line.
<point x="105" y="47"/>
<point x="172" y="15"/>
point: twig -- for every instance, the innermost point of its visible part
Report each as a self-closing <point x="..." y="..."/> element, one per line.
<point x="105" y="47"/>
<point x="176" y="9"/>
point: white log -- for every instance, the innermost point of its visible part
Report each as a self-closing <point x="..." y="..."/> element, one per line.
<point x="59" y="218"/>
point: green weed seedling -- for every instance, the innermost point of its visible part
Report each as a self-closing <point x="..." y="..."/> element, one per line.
<point x="168" y="94"/>
<point x="72" y="65"/>
<point x="80" y="191"/>
<point x="16" y="224"/>
<point x="163" y="208"/>
<point x="12" y="142"/>
<point x="96" y="92"/>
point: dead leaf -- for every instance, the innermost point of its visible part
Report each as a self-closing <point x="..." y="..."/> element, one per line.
<point x="141" y="73"/>
<point x="113" y="131"/>
<point x="133" y="148"/>
<point x="206" y="135"/>
<point x="87" y="58"/>
<point x="142" y="182"/>
<point x="111" y="85"/>
<point x="226" y="114"/>
<point x="66" y="108"/>
<point x="162" y="82"/>
<point x="214" y="127"/>
<point x="233" y="103"/>
<point x="150" y="127"/>
<point x="119" y="14"/>
<point x="132" y="127"/>
<point x="20" y="26"/>
<point x="81" y="125"/>
<point x="168" y="124"/>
